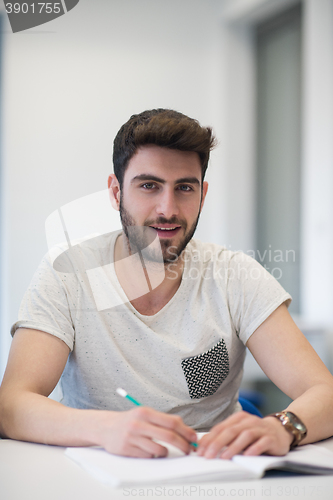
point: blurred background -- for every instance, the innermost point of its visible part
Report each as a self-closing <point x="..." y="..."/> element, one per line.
<point x="260" y="72"/>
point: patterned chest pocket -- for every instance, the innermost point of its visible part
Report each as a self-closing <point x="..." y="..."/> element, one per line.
<point x="205" y="372"/>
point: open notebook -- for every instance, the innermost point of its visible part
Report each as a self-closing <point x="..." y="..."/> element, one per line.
<point x="176" y="468"/>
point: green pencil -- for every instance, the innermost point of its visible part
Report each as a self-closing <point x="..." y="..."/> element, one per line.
<point x="124" y="394"/>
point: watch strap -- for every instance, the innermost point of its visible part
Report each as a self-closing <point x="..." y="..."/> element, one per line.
<point x="298" y="432"/>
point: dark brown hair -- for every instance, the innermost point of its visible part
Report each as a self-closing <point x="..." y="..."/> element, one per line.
<point x="165" y="128"/>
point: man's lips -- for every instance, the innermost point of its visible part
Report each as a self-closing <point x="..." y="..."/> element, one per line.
<point x="166" y="230"/>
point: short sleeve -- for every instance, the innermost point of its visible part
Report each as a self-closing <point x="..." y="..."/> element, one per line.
<point x="46" y="305"/>
<point x="253" y="294"/>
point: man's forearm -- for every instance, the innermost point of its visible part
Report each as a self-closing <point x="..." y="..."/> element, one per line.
<point x="31" y="417"/>
<point x="315" y="408"/>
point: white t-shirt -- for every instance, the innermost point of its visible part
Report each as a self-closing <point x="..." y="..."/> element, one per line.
<point x="187" y="359"/>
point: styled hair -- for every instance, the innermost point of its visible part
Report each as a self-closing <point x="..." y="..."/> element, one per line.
<point x="165" y="128"/>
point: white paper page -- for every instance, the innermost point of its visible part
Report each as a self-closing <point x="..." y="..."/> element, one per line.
<point x="309" y="456"/>
<point x="120" y="471"/>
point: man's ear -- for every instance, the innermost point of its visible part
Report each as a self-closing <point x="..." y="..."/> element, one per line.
<point x="114" y="191"/>
<point x="204" y="192"/>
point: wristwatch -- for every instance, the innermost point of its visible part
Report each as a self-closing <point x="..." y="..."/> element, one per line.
<point x="293" y="425"/>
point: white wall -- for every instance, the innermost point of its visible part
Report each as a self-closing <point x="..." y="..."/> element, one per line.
<point x="68" y="86"/>
<point x="317" y="185"/>
<point x="317" y="145"/>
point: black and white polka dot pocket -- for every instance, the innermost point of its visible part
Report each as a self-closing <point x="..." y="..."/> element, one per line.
<point x="205" y="372"/>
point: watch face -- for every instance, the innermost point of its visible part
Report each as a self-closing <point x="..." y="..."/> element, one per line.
<point x="295" y="421"/>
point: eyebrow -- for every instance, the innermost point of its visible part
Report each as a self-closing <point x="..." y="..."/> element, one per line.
<point x="147" y="177"/>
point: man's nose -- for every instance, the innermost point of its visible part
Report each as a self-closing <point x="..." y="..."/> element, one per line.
<point x="167" y="205"/>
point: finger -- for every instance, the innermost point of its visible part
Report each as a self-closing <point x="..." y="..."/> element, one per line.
<point x="175" y="423"/>
<point x="150" y="447"/>
<point x="267" y="444"/>
<point x="204" y="443"/>
<point x="240" y="420"/>
<point x="246" y="426"/>
<point x="219" y="437"/>
<point x="131" y="451"/>
<point x="164" y="421"/>
<point x="166" y="435"/>
<point x="138" y="427"/>
<point x="220" y="442"/>
<point x="242" y="442"/>
<point x="260" y="446"/>
<point x="206" y="440"/>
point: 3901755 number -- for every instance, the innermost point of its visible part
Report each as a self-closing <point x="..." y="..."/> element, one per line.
<point x="24" y="8"/>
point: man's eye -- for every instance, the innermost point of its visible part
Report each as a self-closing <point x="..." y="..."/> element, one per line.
<point x="148" y="185"/>
<point x="185" y="188"/>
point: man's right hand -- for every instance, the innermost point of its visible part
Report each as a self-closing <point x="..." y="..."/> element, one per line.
<point x="134" y="433"/>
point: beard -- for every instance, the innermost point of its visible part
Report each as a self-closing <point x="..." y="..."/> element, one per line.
<point x="141" y="237"/>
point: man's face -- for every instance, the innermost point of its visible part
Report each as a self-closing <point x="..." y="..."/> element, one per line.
<point x="162" y="189"/>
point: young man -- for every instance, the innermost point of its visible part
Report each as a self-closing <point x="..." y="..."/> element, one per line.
<point x="177" y="347"/>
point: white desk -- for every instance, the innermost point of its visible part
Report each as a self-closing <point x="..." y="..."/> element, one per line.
<point x="38" y="472"/>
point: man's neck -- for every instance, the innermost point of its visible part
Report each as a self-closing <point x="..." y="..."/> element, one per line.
<point x="148" y="291"/>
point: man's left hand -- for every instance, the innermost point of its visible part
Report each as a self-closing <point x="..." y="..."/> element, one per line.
<point x="247" y="434"/>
